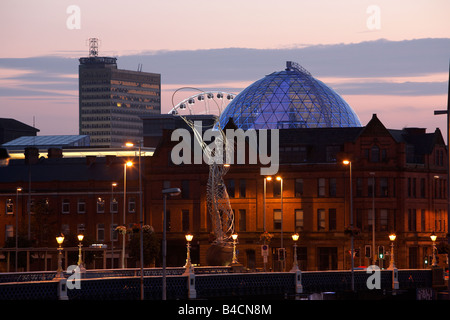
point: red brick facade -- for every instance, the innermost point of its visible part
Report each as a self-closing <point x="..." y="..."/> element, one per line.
<point x="408" y="166"/>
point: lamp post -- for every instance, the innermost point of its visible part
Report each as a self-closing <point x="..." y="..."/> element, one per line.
<point x="166" y="192"/>
<point x="60" y="240"/>
<point x="113" y="201"/>
<point x="349" y="163"/>
<point x="188" y="264"/>
<point x="234" y="236"/>
<point x="80" y="244"/>
<point x="392" y="262"/>
<point x="283" y="262"/>
<point x="141" y="220"/>
<point x="433" y="238"/>
<point x="295" y="237"/>
<point x="264" y="216"/>
<point x="18" y="189"/>
<point x="126" y="164"/>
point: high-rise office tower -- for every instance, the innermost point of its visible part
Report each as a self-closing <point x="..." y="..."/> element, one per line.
<point x="112" y="101"/>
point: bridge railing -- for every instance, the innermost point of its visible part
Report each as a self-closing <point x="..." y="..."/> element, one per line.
<point x="209" y="284"/>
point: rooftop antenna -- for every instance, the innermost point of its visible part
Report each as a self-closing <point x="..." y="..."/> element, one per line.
<point x="93" y="47"/>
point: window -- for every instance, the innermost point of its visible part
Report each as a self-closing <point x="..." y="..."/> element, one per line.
<point x="299" y="219"/>
<point x="65" y="206"/>
<point x="9" y="206"/>
<point x="242" y="188"/>
<point x="321" y="187"/>
<point x="331" y="153"/>
<point x="100" y="205"/>
<point x="298" y="187"/>
<point x="114" y="205"/>
<point x="370" y="217"/>
<point x="411" y="219"/>
<point x="422" y="187"/>
<point x="359" y="187"/>
<point x="320" y="219"/>
<point x="132" y="205"/>
<point x="230" y="188"/>
<point x="9" y="231"/>
<point x="113" y="234"/>
<point x="384" y="190"/>
<point x="242" y="220"/>
<point x="384" y="220"/>
<point x="276" y="188"/>
<point x="277" y="219"/>
<point x="332" y="219"/>
<point x="371" y="187"/>
<point x="375" y="154"/>
<point x="81" y="206"/>
<point x="332" y="187"/>
<point x="422" y="220"/>
<point x="100" y="232"/>
<point x="185" y="189"/>
<point x="185" y="220"/>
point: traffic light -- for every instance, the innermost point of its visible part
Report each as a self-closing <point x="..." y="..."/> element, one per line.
<point x="381" y="252"/>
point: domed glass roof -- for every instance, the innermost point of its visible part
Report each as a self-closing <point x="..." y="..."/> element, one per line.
<point x="291" y="98"/>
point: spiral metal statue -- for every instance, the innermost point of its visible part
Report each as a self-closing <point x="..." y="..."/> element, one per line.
<point x="218" y="202"/>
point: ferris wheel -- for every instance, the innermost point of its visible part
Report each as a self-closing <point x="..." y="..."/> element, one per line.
<point x="202" y="102"/>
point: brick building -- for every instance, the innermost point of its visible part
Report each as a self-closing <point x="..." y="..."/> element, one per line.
<point x="401" y="173"/>
<point x="408" y="167"/>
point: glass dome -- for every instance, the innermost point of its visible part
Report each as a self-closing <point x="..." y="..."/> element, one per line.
<point x="291" y="98"/>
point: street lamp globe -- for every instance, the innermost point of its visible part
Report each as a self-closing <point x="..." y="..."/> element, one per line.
<point x="392" y="237"/>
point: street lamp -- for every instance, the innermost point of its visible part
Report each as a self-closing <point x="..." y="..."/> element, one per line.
<point x="392" y="237"/>
<point x="234" y="236"/>
<point x="113" y="202"/>
<point x="141" y="218"/>
<point x="166" y="192"/>
<point x="295" y="237"/>
<point x="188" y="264"/>
<point x="18" y="189"/>
<point x="281" y="242"/>
<point x="80" y="261"/>
<point x="433" y="238"/>
<point x="60" y="240"/>
<point x="349" y="163"/>
<point x="269" y="178"/>
<point x="126" y="164"/>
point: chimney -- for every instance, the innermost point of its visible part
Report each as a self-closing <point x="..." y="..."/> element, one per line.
<point x="54" y="153"/>
<point x="31" y="155"/>
<point x="90" y="160"/>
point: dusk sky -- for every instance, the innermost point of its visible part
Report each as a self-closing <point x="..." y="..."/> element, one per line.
<point x="384" y="57"/>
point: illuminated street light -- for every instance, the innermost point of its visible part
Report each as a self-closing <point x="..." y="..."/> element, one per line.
<point x="18" y="189"/>
<point x="349" y="163"/>
<point x="126" y="164"/>
<point x="60" y="240"/>
<point x="283" y="262"/>
<point x="392" y="262"/>
<point x="80" y="239"/>
<point x="188" y="264"/>
<point x="295" y="237"/>
<point x="433" y="238"/>
<point x="234" y="236"/>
